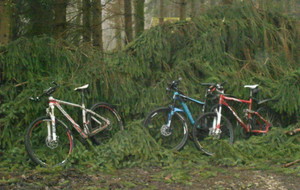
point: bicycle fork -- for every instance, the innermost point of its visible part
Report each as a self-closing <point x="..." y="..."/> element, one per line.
<point x="165" y="130"/>
<point x="215" y="130"/>
<point x="52" y="138"/>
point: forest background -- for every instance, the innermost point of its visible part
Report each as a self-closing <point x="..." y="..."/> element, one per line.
<point x="128" y="51"/>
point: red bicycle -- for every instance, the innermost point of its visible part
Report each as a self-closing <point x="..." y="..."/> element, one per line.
<point x="213" y="125"/>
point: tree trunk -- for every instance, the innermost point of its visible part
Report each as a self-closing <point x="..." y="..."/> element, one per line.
<point x="161" y="11"/>
<point x="197" y="6"/>
<point x="86" y="20"/>
<point x="227" y="2"/>
<point x="5" y="23"/>
<point x="139" y="17"/>
<point x="97" y="24"/>
<point x="182" y="10"/>
<point x="202" y="6"/>
<point x="78" y="22"/>
<point x="193" y="9"/>
<point x="41" y="18"/>
<point x="128" y="21"/>
<point x="60" y="20"/>
<point x="212" y="3"/>
<point x="118" y="24"/>
<point x="15" y="23"/>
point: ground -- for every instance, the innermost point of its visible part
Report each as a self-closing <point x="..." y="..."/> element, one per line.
<point x="152" y="178"/>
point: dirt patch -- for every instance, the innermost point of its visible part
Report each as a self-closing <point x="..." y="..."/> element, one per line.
<point x="152" y="178"/>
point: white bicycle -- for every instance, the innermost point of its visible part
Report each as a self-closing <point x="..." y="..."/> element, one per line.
<point x="49" y="141"/>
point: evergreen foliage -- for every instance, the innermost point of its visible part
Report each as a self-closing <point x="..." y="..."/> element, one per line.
<point x="135" y="147"/>
<point x="239" y="44"/>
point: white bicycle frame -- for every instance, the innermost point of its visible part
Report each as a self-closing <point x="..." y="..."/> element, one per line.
<point x="215" y="129"/>
<point x="85" y="133"/>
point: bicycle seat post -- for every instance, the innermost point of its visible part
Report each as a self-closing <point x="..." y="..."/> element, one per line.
<point x="252" y="88"/>
<point x="81" y="90"/>
<point x="251" y="93"/>
<point x="82" y="98"/>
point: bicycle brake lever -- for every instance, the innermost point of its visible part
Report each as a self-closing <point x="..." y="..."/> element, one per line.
<point x="53" y="82"/>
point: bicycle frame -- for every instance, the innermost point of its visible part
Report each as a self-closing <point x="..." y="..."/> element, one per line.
<point x="247" y="127"/>
<point x="178" y="96"/>
<point x="85" y="132"/>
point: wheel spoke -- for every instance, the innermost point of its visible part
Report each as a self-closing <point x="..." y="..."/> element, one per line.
<point x="47" y="151"/>
<point x="106" y="111"/>
<point x="170" y="137"/>
<point x="204" y="137"/>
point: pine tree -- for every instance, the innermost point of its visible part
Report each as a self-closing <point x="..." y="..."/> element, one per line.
<point x="182" y="9"/>
<point x="60" y="20"/>
<point x="139" y="16"/>
<point x="161" y="11"/>
<point x="128" y="21"/>
<point x="86" y="19"/>
<point x="5" y="22"/>
<point x="97" y="24"/>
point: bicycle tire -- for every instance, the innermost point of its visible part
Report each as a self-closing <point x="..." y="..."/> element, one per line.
<point x="43" y="152"/>
<point x="203" y="140"/>
<point x="156" y="121"/>
<point x="107" y="111"/>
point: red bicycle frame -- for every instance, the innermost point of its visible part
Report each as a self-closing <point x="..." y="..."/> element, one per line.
<point x="247" y="127"/>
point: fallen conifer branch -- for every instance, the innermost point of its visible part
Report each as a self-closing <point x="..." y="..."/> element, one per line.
<point x="293" y="132"/>
<point x="291" y="163"/>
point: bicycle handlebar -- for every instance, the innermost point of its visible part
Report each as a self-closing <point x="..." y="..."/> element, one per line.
<point x="174" y="84"/>
<point x="217" y="85"/>
<point x="46" y="92"/>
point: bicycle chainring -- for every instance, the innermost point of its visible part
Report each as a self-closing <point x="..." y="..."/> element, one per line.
<point x="244" y="133"/>
<point x="258" y="124"/>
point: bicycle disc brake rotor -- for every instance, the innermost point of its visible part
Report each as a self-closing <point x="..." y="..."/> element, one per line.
<point x="215" y="133"/>
<point x="51" y="143"/>
<point x="165" y="130"/>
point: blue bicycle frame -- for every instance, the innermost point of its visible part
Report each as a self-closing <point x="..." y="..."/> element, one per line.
<point x="185" y="109"/>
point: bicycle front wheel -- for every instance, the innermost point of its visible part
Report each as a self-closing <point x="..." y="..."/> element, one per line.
<point x="108" y="112"/>
<point x="202" y="132"/>
<point x="42" y="148"/>
<point x="171" y="137"/>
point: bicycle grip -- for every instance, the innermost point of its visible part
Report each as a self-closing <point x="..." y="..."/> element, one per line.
<point x="34" y="99"/>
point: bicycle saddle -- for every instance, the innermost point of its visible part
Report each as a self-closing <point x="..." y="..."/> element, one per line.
<point x="82" y="87"/>
<point x="251" y="86"/>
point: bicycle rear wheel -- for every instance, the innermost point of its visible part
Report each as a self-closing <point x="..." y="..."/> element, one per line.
<point x="173" y="137"/>
<point x="45" y="151"/>
<point x="108" y="112"/>
<point x="201" y="132"/>
<point x="267" y="114"/>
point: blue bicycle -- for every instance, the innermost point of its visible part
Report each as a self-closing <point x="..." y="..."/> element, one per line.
<point x="167" y="125"/>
